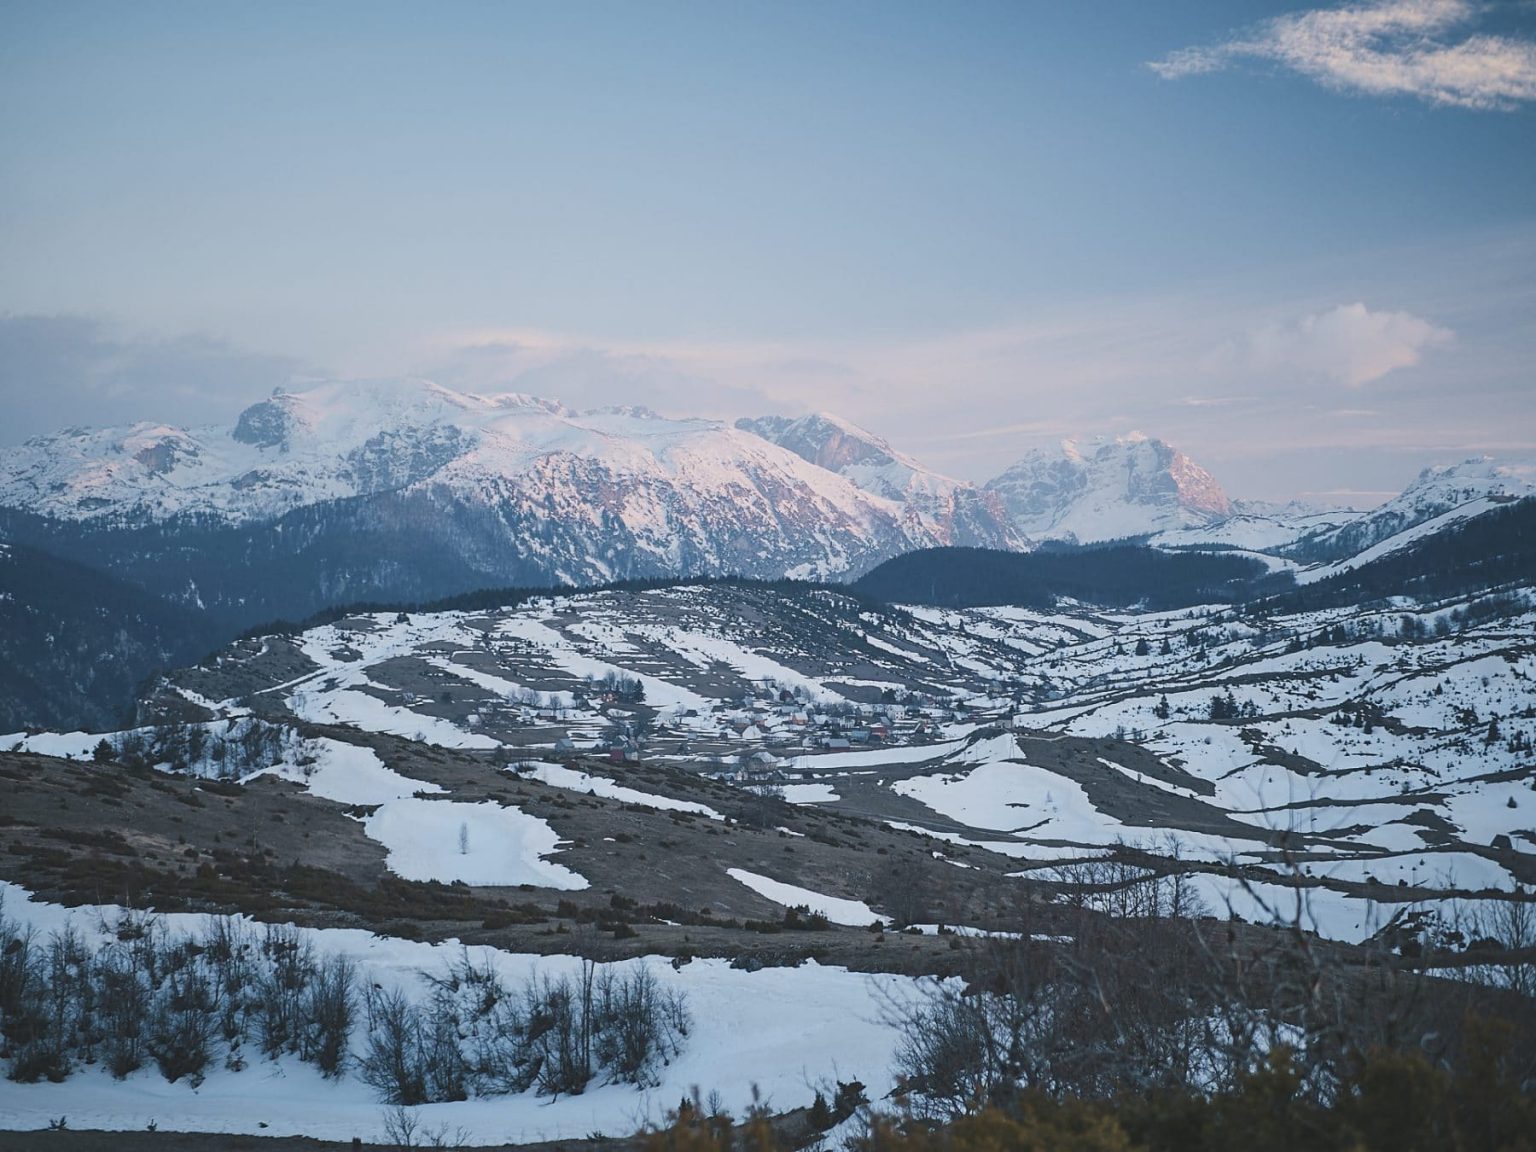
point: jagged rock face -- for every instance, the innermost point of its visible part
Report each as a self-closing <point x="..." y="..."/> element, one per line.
<point x="951" y="510"/>
<point x="1195" y="488"/>
<point x="394" y="459"/>
<point x="264" y="425"/>
<point x="1105" y="490"/>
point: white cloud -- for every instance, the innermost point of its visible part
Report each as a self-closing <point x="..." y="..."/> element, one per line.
<point x="1388" y="48"/>
<point x="1350" y="345"/>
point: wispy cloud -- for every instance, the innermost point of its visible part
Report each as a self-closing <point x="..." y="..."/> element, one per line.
<point x="1428" y="49"/>
<point x="1207" y="401"/>
<point x="1032" y="428"/>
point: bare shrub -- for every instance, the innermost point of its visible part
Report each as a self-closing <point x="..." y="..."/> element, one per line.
<point x="329" y="1008"/>
<point x="283" y="977"/>
<point x="125" y="1010"/>
<point x="182" y="1021"/>
<point x="179" y="1001"/>
<point x="640" y="1027"/>
<point x="392" y="1063"/>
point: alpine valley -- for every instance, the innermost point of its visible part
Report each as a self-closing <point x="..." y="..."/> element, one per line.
<point x="457" y="705"/>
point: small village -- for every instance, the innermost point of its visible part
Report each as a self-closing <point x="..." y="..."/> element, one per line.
<point x="767" y="736"/>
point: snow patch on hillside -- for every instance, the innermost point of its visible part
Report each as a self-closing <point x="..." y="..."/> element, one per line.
<point x="476" y="844"/>
<point x="854" y="913"/>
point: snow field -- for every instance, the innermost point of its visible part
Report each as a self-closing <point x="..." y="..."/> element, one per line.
<point x="853" y="913"/>
<point x="347" y="774"/>
<point x="559" y="776"/>
<point x="481" y="844"/>
<point x="809" y="793"/>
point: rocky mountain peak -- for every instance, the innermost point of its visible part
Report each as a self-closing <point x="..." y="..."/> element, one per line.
<point x="1106" y="488"/>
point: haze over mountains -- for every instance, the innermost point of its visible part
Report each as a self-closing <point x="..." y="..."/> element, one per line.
<point x="568" y="491"/>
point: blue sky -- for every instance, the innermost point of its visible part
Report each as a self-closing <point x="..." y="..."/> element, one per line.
<point x="1297" y="240"/>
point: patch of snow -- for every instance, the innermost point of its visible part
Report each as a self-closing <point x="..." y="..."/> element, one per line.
<point x="854" y="913"/>
<point x="499" y="846"/>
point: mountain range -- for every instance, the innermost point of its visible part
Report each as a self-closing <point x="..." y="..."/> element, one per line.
<point x="363" y="439"/>
<point x="816" y="495"/>
<point x="403" y="490"/>
<point x="520" y="489"/>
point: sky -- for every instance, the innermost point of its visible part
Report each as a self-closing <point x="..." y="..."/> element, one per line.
<point x="1296" y="240"/>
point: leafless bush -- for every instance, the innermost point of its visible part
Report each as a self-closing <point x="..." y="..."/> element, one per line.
<point x="286" y="972"/>
<point x="1499" y="938"/>
<point x="232" y="954"/>
<point x="182" y="1022"/>
<point x="403" y="1129"/>
<point x="640" y="1026"/>
<point x="1145" y="998"/>
<point x="906" y="888"/>
<point x="146" y="995"/>
<point x="553" y="1036"/>
<point x="125" y="1009"/>
<point x="329" y="1008"/>
<point x="392" y="1064"/>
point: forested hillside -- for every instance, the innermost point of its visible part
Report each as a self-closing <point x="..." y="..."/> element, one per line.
<point x="76" y="643"/>
<point x="1120" y="576"/>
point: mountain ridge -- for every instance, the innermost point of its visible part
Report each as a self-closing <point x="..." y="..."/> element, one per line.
<point x="405" y="489"/>
<point x="965" y="514"/>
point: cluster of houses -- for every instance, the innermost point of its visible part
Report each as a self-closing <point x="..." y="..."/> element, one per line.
<point x="756" y="736"/>
<point x="760" y="736"/>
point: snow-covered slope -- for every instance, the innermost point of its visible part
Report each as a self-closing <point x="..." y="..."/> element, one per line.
<point x="334" y="441"/>
<point x="1258" y="532"/>
<point x="359" y="438"/>
<point x="1382" y="744"/>
<point x="1107" y="489"/>
<point x="957" y="512"/>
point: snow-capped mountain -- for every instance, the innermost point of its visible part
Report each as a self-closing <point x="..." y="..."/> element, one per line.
<point x="961" y="513"/>
<point x="405" y="490"/>
<point x="1108" y="489"/>
<point x="332" y="442"/>
<point x="389" y="478"/>
<point x="1440" y="495"/>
